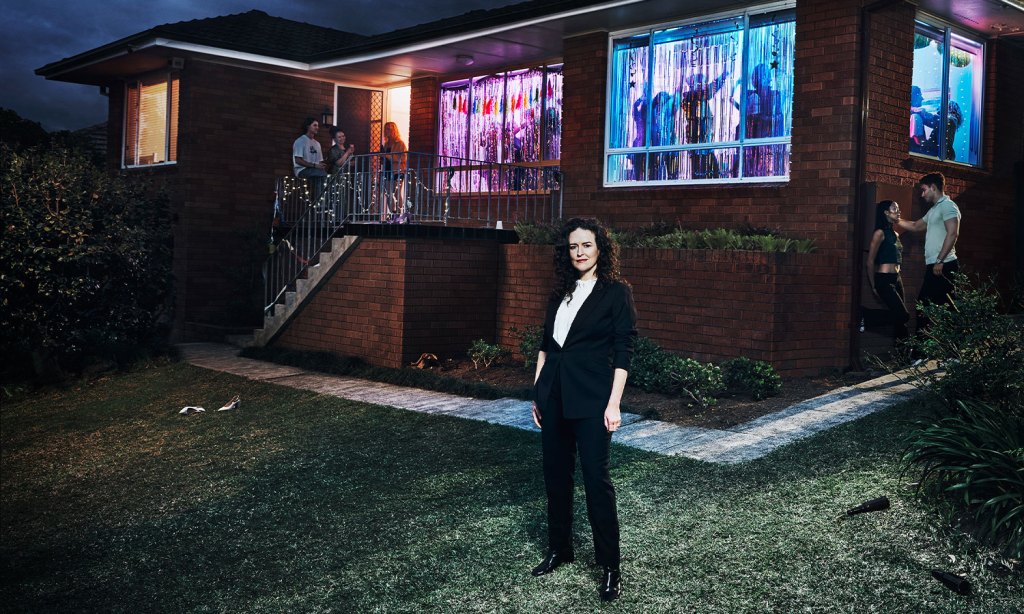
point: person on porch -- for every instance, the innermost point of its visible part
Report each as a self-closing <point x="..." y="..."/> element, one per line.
<point x="307" y="156"/>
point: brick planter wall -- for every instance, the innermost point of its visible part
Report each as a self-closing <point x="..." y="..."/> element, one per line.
<point x="393" y="299"/>
<point x="707" y="305"/>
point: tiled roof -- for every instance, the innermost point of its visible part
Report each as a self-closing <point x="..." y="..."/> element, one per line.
<point x="458" y="24"/>
<point x="260" y="33"/>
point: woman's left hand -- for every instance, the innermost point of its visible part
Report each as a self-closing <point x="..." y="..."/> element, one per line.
<point x="612" y="419"/>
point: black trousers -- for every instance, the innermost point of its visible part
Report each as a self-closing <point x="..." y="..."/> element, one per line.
<point x="936" y="289"/>
<point x="561" y="438"/>
<point x="890" y="290"/>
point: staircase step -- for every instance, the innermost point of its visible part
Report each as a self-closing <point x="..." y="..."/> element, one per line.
<point x="241" y="341"/>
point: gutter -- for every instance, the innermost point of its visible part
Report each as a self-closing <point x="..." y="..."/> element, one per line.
<point x="863" y="85"/>
<point x="370" y="55"/>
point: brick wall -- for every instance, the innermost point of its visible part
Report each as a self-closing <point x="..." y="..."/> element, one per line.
<point x="359" y="310"/>
<point x="235" y="133"/>
<point x="393" y="299"/>
<point x="707" y="305"/>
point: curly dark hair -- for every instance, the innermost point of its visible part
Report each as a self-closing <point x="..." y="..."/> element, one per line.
<point x="607" y="259"/>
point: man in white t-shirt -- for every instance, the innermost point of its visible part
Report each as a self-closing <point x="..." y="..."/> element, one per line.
<point x="941" y="224"/>
<point x="307" y="156"/>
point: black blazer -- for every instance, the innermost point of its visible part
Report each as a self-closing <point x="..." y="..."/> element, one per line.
<point x="599" y="341"/>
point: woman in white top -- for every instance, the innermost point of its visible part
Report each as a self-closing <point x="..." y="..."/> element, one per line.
<point x="582" y="367"/>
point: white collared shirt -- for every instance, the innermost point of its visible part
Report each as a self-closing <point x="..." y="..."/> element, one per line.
<point x="567" y="310"/>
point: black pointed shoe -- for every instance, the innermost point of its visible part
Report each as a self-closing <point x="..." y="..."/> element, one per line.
<point x="610" y="584"/>
<point x="552" y="561"/>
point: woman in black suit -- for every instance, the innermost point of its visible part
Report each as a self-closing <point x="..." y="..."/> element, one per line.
<point x="581" y="372"/>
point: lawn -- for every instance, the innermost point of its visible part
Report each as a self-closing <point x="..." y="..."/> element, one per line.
<point x="298" y="502"/>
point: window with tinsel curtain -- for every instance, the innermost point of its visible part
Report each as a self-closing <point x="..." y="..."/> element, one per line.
<point x="151" y="121"/>
<point x="508" y="117"/>
<point x="701" y="101"/>
<point x="946" y="95"/>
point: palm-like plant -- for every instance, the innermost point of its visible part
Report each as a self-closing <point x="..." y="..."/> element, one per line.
<point x="978" y="452"/>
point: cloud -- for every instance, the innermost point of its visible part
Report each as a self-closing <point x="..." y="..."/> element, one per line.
<point x="37" y="32"/>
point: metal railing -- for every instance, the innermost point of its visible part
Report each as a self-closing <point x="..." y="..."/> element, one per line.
<point x="426" y="189"/>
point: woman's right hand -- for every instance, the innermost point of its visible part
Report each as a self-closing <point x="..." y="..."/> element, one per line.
<point x="536" y="415"/>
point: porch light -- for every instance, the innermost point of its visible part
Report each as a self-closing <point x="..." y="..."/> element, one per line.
<point x="464" y="60"/>
<point x="326" y="117"/>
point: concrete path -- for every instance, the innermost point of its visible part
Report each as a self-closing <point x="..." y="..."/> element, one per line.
<point x="737" y="444"/>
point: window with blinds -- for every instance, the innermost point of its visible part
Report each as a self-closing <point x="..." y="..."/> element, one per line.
<point x="151" y="121"/>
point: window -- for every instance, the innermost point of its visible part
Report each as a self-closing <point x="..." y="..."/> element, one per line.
<point x="151" y="121"/>
<point x="511" y="117"/>
<point x="696" y="102"/>
<point x="947" y="83"/>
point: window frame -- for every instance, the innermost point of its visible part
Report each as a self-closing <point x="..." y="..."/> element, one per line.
<point x="650" y="30"/>
<point x="948" y="30"/>
<point x="172" y="78"/>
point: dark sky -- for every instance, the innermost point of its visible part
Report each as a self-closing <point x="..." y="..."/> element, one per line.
<point x="34" y="33"/>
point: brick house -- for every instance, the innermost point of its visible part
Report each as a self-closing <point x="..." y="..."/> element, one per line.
<point x="793" y="116"/>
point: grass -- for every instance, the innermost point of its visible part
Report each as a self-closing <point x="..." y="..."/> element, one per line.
<point x="301" y="502"/>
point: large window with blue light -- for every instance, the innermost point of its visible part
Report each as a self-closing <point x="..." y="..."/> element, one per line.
<point x="946" y="95"/>
<point x="708" y="101"/>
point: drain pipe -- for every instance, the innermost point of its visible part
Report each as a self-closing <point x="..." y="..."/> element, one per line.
<point x="864" y="91"/>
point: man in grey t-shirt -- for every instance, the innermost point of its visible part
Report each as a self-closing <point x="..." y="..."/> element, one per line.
<point x="941" y="224"/>
<point x="307" y="156"/>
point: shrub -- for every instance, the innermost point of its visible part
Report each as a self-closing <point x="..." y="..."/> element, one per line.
<point x="529" y="340"/>
<point x="666" y="236"/>
<point x="978" y="453"/>
<point x="656" y="370"/>
<point x="754" y="377"/>
<point x="85" y="261"/>
<point x="980" y="350"/>
<point x="483" y="353"/>
<point x="537" y="234"/>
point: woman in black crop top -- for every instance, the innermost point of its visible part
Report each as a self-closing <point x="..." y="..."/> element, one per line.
<point x="883" y="267"/>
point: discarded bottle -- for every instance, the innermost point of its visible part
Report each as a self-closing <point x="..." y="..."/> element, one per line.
<point x="871" y="505"/>
<point x="953" y="582"/>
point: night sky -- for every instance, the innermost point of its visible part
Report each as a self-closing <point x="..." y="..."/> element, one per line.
<point x="34" y="33"/>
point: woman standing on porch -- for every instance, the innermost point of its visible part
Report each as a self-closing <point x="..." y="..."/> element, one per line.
<point x="393" y="165"/>
<point x="581" y="373"/>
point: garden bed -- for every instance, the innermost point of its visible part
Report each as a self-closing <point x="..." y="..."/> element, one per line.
<point x="729" y="410"/>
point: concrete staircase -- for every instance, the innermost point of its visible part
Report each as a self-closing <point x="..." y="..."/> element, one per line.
<point x="275" y="321"/>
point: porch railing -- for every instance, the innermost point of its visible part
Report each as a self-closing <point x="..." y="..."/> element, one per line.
<point x="429" y="189"/>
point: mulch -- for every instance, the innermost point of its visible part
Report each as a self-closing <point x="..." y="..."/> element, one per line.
<point x="727" y="412"/>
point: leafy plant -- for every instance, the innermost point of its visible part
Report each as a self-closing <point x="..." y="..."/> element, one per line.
<point x="978" y="453"/>
<point x="980" y="351"/>
<point x="665" y="236"/>
<point x="529" y="342"/>
<point x="86" y="265"/>
<point x="483" y="353"/>
<point x="755" y="377"/>
<point x="656" y="370"/>
<point x="537" y="234"/>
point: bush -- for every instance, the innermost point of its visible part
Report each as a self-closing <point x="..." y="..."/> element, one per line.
<point x="754" y="377"/>
<point x="537" y="234"/>
<point x="672" y="237"/>
<point x="656" y="370"/>
<point x="483" y="353"/>
<point x="978" y="453"/>
<point x="529" y="340"/>
<point x="981" y="351"/>
<point x="85" y="261"/>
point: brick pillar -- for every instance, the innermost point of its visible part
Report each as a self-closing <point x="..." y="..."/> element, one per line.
<point x="423" y="115"/>
<point x="583" y="104"/>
